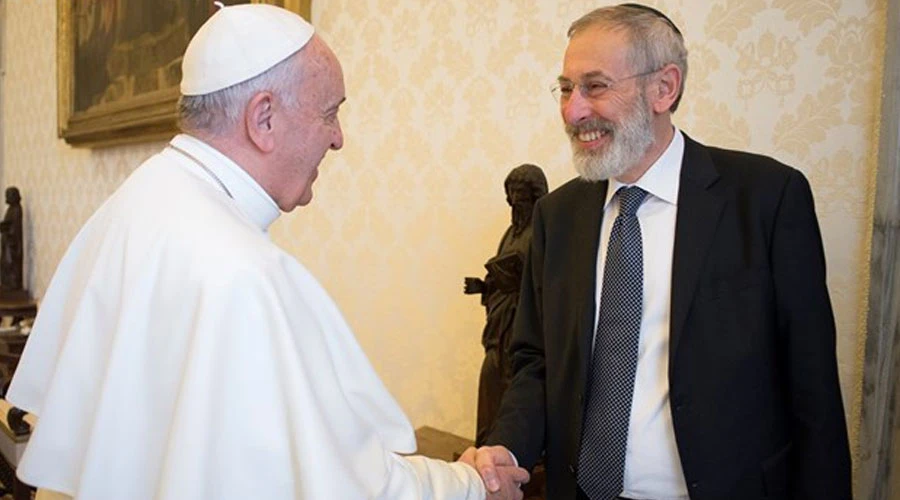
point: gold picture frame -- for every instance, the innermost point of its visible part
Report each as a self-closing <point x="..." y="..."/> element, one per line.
<point x="117" y="90"/>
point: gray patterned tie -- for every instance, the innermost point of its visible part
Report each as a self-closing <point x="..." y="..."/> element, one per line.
<point x="601" y="461"/>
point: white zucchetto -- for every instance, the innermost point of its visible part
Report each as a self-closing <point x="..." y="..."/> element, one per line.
<point x="238" y="43"/>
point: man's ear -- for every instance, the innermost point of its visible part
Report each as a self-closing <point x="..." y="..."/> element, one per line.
<point x="259" y="121"/>
<point x="664" y="89"/>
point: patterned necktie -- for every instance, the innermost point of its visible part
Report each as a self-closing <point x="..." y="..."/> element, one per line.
<point x="601" y="461"/>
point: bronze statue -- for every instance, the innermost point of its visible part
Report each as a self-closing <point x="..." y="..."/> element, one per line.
<point x="11" y="248"/>
<point x="500" y="291"/>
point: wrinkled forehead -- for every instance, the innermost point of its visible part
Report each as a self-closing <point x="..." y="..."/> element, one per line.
<point x="322" y="72"/>
<point x="318" y="58"/>
<point x="598" y="51"/>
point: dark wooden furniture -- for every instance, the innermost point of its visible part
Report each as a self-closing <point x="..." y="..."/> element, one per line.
<point x="15" y="429"/>
<point x="18" y="308"/>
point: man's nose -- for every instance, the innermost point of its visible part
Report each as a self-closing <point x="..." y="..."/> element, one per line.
<point x="576" y="108"/>
<point x="338" y="140"/>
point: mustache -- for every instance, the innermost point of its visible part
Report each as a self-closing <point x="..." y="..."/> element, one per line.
<point x="590" y="125"/>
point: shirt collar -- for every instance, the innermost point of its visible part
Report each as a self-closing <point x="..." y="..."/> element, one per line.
<point x="250" y="198"/>
<point x="662" y="178"/>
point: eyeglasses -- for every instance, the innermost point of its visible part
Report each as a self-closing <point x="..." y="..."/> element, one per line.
<point x="590" y="89"/>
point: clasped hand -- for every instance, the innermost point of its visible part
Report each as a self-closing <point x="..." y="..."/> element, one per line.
<point x="502" y="478"/>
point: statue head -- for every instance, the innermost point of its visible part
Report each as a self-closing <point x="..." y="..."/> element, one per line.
<point x="12" y="195"/>
<point x="524" y="185"/>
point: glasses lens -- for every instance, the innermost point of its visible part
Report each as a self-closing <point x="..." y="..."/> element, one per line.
<point x="555" y="91"/>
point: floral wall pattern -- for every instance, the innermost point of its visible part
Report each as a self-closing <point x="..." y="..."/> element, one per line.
<point x="444" y="98"/>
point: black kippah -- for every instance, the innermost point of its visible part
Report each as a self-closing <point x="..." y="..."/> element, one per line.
<point x="655" y="13"/>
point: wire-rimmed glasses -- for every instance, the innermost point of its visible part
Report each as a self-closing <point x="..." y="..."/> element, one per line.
<point x="592" y="88"/>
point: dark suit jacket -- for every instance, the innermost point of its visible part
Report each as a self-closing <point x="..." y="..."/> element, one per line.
<point x="753" y="378"/>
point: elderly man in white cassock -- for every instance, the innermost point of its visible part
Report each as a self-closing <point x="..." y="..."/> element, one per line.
<point x="180" y="354"/>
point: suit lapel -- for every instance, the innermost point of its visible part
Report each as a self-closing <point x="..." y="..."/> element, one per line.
<point x="586" y="231"/>
<point x="699" y="210"/>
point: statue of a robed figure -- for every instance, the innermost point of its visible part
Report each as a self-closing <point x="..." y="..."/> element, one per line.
<point x="499" y="292"/>
<point x="12" y="249"/>
<point x="15" y="301"/>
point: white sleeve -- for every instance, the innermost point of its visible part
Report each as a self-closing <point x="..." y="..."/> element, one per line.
<point x="420" y="478"/>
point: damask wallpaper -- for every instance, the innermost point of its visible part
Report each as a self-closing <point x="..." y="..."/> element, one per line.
<point x="444" y="98"/>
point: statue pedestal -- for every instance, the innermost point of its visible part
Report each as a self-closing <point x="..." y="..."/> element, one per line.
<point x="18" y="304"/>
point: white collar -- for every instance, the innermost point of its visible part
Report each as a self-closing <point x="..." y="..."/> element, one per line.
<point x="662" y="178"/>
<point x="223" y="172"/>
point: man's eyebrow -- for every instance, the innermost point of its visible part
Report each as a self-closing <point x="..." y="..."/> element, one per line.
<point x="586" y="76"/>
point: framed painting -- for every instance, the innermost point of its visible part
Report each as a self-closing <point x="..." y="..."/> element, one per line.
<point x="119" y="66"/>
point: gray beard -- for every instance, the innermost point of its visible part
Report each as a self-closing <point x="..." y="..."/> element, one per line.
<point x="630" y="141"/>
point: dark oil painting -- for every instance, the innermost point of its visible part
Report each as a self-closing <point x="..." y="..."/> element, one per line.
<point x="120" y="64"/>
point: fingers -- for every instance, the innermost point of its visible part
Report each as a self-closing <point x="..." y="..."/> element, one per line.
<point x="500" y="472"/>
<point x="498" y="455"/>
<point x="503" y="478"/>
<point x="497" y="468"/>
<point x="468" y="457"/>
<point x="490" y="477"/>
<point x="487" y="459"/>
<point x="511" y="479"/>
<point x="517" y="475"/>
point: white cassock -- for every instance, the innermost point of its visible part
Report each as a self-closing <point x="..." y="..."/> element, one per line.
<point x="180" y="354"/>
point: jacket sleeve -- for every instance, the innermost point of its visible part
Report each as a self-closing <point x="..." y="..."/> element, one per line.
<point x="521" y="420"/>
<point x="820" y="458"/>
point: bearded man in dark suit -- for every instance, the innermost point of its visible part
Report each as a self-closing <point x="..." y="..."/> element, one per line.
<point x="674" y="337"/>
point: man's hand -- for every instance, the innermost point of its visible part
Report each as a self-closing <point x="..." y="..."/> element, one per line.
<point x="502" y="478"/>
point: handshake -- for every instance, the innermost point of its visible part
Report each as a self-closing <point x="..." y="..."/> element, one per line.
<point x="503" y="479"/>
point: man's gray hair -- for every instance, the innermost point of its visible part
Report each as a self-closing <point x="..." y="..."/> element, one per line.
<point x="655" y="41"/>
<point x="217" y="112"/>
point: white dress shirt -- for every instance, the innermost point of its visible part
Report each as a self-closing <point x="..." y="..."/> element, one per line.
<point x="652" y="467"/>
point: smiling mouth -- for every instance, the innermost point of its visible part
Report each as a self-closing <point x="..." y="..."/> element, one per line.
<point x="591" y="135"/>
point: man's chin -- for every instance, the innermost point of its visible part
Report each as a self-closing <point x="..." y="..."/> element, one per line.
<point x="589" y="170"/>
<point x="306" y="198"/>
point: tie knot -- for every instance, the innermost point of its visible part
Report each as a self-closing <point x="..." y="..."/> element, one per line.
<point x="630" y="199"/>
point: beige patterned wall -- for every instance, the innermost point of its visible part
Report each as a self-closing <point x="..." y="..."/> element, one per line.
<point x="444" y="98"/>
